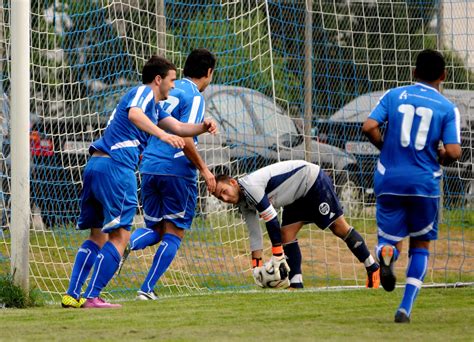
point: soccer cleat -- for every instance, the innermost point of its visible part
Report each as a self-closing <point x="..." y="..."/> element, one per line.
<point x="373" y="279"/>
<point x="141" y="295"/>
<point x="296" y="286"/>
<point x="70" y="302"/>
<point x="387" y="277"/>
<point x="401" y="317"/>
<point x="99" y="303"/>
<point x="125" y="255"/>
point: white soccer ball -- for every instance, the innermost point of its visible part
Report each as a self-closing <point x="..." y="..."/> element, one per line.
<point x="268" y="278"/>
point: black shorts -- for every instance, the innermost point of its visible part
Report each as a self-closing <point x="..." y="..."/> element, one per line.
<point x="319" y="206"/>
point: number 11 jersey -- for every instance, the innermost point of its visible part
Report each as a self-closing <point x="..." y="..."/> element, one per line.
<point x="417" y="118"/>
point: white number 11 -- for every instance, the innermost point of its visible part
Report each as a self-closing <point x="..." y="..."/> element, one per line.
<point x="409" y="112"/>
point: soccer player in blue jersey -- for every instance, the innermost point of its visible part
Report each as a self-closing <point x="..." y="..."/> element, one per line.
<point x="109" y="195"/>
<point x="422" y="132"/>
<point x="307" y="195"/>
<point x="169" y="174"/>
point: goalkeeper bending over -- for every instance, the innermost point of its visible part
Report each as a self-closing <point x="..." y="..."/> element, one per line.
<point x="307" y="195"/>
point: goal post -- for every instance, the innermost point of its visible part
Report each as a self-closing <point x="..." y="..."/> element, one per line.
<point x="294" y="80"/>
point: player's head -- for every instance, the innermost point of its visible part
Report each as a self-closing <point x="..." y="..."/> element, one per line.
<point x="200" y="65"/>
<point x="161" y="74"/>
<point x="227" y="189"/>
<point x="430" y="66"/>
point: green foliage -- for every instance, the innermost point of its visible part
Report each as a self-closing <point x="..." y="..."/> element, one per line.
<point x="13" y="296"/>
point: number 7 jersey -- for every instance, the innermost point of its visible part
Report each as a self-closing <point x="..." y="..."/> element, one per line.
<point x="417" y="118"/>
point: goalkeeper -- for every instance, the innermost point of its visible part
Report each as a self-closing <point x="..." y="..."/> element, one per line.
<point x="307" y="195"/>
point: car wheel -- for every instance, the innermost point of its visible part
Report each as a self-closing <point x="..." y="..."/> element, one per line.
<point x="350" y="196"/>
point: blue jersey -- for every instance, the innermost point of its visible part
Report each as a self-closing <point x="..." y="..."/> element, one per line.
<point x="122" y="140"/>
<point x="186" y="104"/>
<point x="418" y="117"/>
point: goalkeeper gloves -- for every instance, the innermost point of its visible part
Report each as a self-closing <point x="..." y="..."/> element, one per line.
<point x="277" y="266"/>
<point x="257" y="275"/>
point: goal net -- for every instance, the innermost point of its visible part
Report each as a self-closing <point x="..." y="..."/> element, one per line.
<point x="294" y="80"/>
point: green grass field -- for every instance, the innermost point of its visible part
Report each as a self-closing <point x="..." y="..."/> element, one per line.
<point x="356" y="315"/>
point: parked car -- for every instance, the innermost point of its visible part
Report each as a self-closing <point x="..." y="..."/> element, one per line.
<point x="344" y="130"/>
<point x="255" y="132"/>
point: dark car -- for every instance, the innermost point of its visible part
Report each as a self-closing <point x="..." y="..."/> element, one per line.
<point x="344" y="130"/>
<point x="254" y="132"/>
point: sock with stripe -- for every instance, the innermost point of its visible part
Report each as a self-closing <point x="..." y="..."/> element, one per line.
<point x="142" y="238"/>
<point x="164" y="256"/>
<point x="106" y="264"/>
<point x="357" y="245"/>
<point x="83" y="263"/>
<point x="293" y="253"/>
<point x="417" y="266"/>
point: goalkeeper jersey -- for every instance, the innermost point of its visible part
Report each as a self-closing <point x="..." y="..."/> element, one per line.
<point x="122" y="140"/>
<point x="418" y="118"/>
<point x="274" y="186"/>
<point x="186" y="104"/>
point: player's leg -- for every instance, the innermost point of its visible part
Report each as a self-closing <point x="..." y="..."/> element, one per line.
<point x="392" y="229"/>
<point x="151" y="200"/>
<point x="293" y="253"/>
<point x="162" y="260"/>
<point x="423" y="222"/>
<point x="356" y="244"/>
<point x="177" y="204"/>
<point x="91" y="216"/>
<point x="119" y="207"/>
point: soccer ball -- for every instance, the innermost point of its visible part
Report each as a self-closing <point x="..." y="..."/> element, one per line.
<point x="268" y="278"/>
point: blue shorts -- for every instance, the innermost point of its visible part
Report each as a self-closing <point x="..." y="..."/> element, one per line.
<point x="402" y="216"/>
<point x="109" y="195"/>
<point x="320" y="205"/>
<point x="169" y="198"/>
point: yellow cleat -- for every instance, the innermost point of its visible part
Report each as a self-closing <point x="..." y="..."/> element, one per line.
<point x="71" y="302"/>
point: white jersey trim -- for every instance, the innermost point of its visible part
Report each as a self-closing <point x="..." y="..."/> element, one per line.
<point x="194" y="109"/>
<point x="139" y="93"/>
<point x="126" y="143"/>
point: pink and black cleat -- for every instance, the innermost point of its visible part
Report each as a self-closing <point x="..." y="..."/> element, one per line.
<point x="99" y="303"/>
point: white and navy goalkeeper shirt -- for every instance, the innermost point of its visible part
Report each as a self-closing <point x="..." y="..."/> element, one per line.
<point x="274" y="186"/>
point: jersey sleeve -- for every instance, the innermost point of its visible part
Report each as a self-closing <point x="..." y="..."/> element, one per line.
<point x="451" y="127"/>
<point x="380" y="112"/>
<point x="253" y="227"/>
<point x="193" y="111"/>
<point x="161" y="114"/>
<point x="143" y="99"/>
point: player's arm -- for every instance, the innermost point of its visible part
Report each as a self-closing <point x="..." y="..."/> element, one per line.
<point x="255" y="236"/>
<point x="371" y="130"/>
<point x="191" y="152"/>
<point x="143" y="122"/>
<point x="187" y="129"/>
<point x="451" y="150"/>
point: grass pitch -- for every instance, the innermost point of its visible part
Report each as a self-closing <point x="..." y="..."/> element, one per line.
<point x="355" y="315"/>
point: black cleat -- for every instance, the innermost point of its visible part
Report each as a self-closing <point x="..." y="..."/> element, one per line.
<point x="401" y="317"/>
<point x="387" y="277"/>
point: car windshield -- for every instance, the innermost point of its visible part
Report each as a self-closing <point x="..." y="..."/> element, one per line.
<point x="271" y="117"/>
<point x="231" y="114"/>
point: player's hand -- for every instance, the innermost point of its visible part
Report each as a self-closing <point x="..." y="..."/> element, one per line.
<point x="274" y="265"/>
<point x="210" y="125"/>
<point x="210" y="180"/>
<point x="173" y="140"/>
<point x="257" y="275"/>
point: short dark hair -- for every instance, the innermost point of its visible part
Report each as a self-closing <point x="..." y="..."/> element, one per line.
<point x="155" y="66"/>
<point x="198" y="63"/>
<point x="223" y="178"/>
<point x="430" y="65"/>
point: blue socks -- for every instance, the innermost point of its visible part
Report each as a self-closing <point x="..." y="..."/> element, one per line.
<point x="357" y="245"/>
<point x="142" y="238"/>
<point x="416" y="272"/>
<point x="293" y="252"/>
<point x="105" y="266"/>
<point x="164" y="256"/>
<point x="83" y="263"/>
